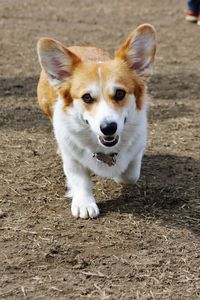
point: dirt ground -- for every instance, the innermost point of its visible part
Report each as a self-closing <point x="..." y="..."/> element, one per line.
<point x="145" y="245"/>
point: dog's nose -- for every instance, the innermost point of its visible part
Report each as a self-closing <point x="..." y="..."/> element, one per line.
<point x="108" y="128"/>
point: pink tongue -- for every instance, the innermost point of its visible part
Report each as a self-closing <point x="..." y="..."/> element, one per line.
<point x="108" y="138"/>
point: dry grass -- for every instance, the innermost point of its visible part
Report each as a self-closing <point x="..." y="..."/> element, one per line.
<point x="145" y="245"/>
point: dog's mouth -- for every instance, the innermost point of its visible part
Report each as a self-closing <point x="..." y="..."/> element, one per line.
<point x="109" y="140"/>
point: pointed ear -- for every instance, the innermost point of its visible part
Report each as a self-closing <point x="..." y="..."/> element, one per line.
<point x="57" y="61"/>
<point x="139" y="49"/>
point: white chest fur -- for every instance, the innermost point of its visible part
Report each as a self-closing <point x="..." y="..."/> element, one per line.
<point x="77" y="142"/>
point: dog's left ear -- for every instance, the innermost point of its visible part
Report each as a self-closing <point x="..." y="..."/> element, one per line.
<point x="139" y="50"/>
<point x="56" y="60"/>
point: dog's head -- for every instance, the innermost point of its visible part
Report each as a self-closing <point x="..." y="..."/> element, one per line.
<point x="103" y="93"/>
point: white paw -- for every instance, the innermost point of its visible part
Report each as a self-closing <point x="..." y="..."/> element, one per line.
<point x="84" y="209"/>
<point x="124" y="179"/>
<point x="119" y="180"/>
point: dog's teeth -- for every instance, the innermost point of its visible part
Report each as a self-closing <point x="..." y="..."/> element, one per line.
<point x="109" y="139"/>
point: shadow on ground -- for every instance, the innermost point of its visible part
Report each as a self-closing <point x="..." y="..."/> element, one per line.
<point x="168" y="191"/>
<point x="19" y="86"/>
<point x="24" y="117"/>
<point x="174" y="86"/>
<point x="21" y="110"/>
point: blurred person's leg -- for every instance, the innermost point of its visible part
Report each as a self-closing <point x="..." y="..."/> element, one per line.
<point x="193" y="10"/>
<point x="198" y="22"/>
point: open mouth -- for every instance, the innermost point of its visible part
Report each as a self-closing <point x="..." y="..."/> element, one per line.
<point x="109" y="141"/>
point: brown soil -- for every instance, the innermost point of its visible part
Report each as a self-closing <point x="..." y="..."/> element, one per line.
<point x="145" y="245"/>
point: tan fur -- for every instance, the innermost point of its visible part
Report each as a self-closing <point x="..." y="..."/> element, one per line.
<point x="90" y="54"/>
<point x="118" y="72"/>
<point x="112" y="71"/>
<point x="84" y="75"/>
<point x="47" y="94"/>
<point x="86" y="61"/>
<point x="122" y="52"/>
<point x="100" y="118"/>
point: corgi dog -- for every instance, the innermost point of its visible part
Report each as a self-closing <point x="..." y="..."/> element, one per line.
<point x="98" y="109"/>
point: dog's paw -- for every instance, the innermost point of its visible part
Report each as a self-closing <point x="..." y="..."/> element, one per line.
<point x="123" y="179"/>
<point x="84" y="209"/>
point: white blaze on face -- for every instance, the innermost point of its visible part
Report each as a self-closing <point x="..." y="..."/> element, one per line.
<point x="104" y="111"/>
<point x="100" y="80"/>
<point x="99" y="73"/>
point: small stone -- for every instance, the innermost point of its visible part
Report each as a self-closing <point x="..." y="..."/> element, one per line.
<point x="2" y="214"/>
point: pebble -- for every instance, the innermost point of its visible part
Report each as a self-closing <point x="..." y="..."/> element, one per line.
<point x="2" y="214"/>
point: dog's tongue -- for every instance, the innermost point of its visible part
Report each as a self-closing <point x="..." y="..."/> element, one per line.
<point x="108" y="138"/>
<point x="109" y="141"/>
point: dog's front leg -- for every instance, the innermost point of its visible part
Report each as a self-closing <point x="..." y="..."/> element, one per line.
<point x="132" y="174"/>
<point x="80" y="185"/>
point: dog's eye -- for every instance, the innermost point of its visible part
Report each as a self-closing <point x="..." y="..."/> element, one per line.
<point x="119" y="95"/>
<point x="87" y="98"/>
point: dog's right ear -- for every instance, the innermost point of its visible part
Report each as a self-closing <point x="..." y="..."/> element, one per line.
<point x="57" y="61"/>
<point x="139" y="50"/>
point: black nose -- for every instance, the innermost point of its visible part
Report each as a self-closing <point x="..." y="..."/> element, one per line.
<point x="108" y="128"/>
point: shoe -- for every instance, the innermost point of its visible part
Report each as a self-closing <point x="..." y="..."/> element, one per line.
<point x="192" y="16"/>
<point x="198" y="22"/>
